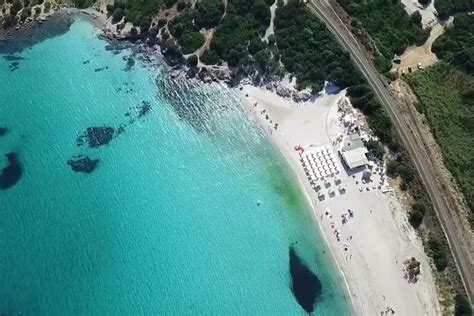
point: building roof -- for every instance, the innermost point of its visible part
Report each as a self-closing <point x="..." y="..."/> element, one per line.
<point x="353" y="142"/>
<point x="356" y="157"/>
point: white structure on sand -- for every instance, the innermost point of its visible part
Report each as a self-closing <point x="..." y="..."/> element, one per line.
<point x="353" y="154"/>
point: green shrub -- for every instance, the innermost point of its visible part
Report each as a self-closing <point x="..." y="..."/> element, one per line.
<point x="191" y="41"/>
<point x="416" y="214"/>
<point x="375" y="148"/>
<point x="462" y="307"/>
<point x="438" y="253"/>
<point x="16" y="7"/>
<point x="117" y="15"/>
<point x="209" y="58"/>
<point x="181" y="6"/>
<point x="192" y="61"/>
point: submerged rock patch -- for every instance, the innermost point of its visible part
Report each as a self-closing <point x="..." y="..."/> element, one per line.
<point x="83" y="164"/>
<point x="12" y="173"/>
<point x="101" y="69"/>
<point x="130" y="63"/>
<point x="96" y="136"/>
<point x="305" y="285"/>
<point x="144" y="109"/>
<point x="14" y="66"/>
<point x="13" y="57"/>
<point x="3" y="131"/>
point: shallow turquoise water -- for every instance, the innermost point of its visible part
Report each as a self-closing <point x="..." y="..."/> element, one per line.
<point x="168" y="223"/>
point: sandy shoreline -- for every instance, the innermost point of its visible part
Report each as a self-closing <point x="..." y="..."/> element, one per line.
<point x="375" y="242"/>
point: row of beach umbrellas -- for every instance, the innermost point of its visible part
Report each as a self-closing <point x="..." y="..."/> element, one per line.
<point x="319" y="163"/>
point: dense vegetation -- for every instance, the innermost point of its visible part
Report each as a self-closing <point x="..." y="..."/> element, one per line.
<point x="446" y="8"/>
<point x="139" y="12"/>
<point x="237" y="37"/>
<point x="388" y="24"/>
<point x="308" y="51"/>
<point x="446" y="97"/>
<point x="186" y="31"/>
<point x="457" y="45"/>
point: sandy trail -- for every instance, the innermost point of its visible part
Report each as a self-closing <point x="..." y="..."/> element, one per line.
<point x="378" y="238"/>
<point x="421" y="54"/>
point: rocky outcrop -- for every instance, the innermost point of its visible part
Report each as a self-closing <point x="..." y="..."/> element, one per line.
<point x="96" y="136"/>
<point x="83" y="164"/>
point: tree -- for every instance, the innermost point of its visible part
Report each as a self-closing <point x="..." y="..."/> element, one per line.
<point x="181" y="6"/>
<point x="193" y="60"/>
<point x="436" y="251"/>
<point x="424" y="2"/>
<point x="416" y="17"/>
<point x="117" y="16"/>
<point x="462" y="306"/>
<point x="16" y="7"/>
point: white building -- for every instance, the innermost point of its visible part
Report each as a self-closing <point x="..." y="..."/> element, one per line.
<point x="354" y="153"/>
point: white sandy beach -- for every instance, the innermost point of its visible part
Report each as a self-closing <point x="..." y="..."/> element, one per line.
<point x="378" y="238"/>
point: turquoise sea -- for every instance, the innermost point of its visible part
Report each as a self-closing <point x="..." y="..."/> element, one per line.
<point x="169" y="221"/>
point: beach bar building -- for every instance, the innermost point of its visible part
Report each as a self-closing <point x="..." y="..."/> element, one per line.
<point x="354" y="153"/>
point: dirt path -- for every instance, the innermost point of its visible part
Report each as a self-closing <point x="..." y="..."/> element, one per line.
<point x="420" y="54"/>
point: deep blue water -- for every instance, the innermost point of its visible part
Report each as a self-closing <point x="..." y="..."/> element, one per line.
<point x="168" y="222"/>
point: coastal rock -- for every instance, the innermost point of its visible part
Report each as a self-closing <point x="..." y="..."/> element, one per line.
<point x="301" y="96"/>
<point x="12" y="173"/>
<point x="192" y="72"/>
<point x="31" y="34"/>
<point x="96" y="136"/>
<point x="83" y="164"/>
<point x="283" y="91"/>
<point x="305" y="285"/>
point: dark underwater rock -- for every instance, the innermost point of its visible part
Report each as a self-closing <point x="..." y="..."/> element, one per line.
<point x="101" y="69"/>
<point x="13" y="57"/>
<point x="12" y="173"/>
<point x="144" y="109"/>
<point x="130" y="63"/>
<point x="96" y="136"/>
<point x="3" y="131"/>
<point x="14" y="66"/>
<point x="83" y="164"/>
<point x="305" y="285"/>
